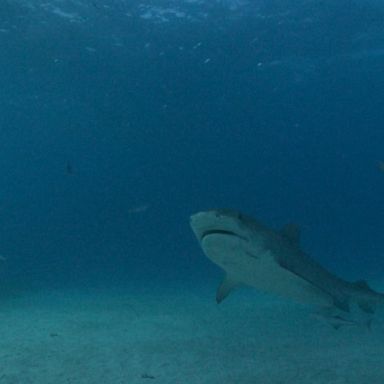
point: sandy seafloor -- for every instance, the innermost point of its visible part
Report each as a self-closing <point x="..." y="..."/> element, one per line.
<point x="177" y="335"/>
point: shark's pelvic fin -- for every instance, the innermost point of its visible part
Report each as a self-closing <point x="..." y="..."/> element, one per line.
<point x="367" y="307"/>
<point x="338" y="319"/>
<point x="292" y="233"/>
<point x="225" y="288"/>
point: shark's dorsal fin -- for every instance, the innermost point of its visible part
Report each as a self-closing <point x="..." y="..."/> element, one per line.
<point x="292" y="233"/>
<point x="225" y="288"/>
<point x="362" y="284"/>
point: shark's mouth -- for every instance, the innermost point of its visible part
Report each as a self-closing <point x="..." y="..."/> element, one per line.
<point x="221" y="232"/>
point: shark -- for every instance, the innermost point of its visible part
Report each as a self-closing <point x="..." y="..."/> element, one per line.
<point x="272" y="261"/>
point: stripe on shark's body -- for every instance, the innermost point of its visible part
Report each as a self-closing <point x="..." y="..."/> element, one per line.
<point x="340" y="300"/>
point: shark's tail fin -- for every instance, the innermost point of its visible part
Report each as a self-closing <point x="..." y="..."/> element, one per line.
<point x="369" y="298"/>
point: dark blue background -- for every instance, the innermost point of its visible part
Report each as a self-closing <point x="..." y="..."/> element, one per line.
<point x="274" y="109"/>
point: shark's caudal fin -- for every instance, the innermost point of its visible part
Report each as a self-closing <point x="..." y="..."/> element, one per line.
<point x="225" y="288"/>
<point x="368" y="305"/>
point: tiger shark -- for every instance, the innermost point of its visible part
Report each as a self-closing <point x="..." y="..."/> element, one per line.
<point x="272" y="261"/>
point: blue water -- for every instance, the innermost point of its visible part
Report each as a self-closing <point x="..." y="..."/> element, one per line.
<point x="119" y="119"/>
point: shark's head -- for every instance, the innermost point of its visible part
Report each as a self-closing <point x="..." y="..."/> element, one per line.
<point x="225" y="237"/>
<point x="217" y="222"/>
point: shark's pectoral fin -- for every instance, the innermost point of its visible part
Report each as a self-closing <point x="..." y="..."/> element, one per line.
<point x="225" y="288"/>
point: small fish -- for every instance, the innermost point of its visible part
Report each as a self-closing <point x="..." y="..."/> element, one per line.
<point x="381" y="166"/>
<point x="69" y="169"/>
<point x="147" y="376"/>
<point x="139" y="208"/>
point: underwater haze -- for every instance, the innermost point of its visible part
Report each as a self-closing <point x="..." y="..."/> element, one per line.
<point x="121" y="118"/>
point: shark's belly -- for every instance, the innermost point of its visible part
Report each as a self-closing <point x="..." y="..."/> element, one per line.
<point x="258" y="268"/>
